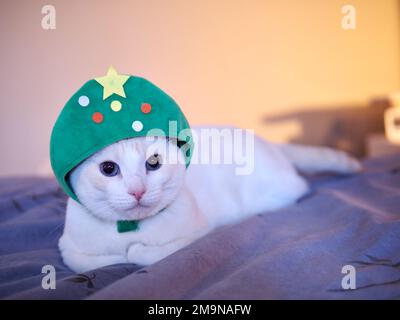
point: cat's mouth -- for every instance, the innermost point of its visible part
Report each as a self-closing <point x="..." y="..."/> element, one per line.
<point x="129" y="209"/>
<point x="137" y="206"/>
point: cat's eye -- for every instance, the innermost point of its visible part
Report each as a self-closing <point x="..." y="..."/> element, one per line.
<point x="109" y="168"/>
<point x="153" y="162"/>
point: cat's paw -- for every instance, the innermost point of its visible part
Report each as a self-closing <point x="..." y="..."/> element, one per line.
<point x="80" y="262"/>
<point x="142" y="255"/>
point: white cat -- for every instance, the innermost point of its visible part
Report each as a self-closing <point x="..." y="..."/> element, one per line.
<point x="175" y="206"/>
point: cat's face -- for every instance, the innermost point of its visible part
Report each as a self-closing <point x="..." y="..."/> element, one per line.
<point x="131" y="179"/>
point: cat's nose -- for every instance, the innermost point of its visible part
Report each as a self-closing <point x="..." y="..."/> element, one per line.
<point x="137" y="193"/>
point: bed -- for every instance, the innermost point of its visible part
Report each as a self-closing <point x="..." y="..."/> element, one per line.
<point x="294" y="253"/>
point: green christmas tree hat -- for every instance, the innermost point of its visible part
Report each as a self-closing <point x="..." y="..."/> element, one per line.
<point x="108" y="109"/>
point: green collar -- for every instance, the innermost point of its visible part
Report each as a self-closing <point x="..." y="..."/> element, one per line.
<point x="130" y="225"/>
<point x="127" y="225"/>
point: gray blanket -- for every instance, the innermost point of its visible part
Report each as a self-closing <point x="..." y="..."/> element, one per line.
<point x="294" y="253"/>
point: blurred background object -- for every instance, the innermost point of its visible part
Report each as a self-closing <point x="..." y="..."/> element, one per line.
<point x="286" y="68"/>
<point x="343" y="127"/>
<point x="378" y="146"/>
<point x="392" y="119"/>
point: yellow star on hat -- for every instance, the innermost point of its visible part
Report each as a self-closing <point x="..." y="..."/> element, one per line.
<point x="112" y="83"/>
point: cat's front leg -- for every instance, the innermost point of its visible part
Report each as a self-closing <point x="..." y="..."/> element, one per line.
<point x="144" y="255"/>
<point x="79" y="261"/>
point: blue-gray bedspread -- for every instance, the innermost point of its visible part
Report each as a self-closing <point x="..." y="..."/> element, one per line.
<point x="294" y="253"/>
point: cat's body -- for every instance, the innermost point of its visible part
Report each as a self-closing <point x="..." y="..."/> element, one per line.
<point x="177" y="206"/>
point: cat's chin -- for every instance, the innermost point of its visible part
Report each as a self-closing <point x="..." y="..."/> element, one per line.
<point x="138" y="212"/>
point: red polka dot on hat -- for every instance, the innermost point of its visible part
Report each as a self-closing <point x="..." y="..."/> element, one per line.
<point x="97" y="117"/>
<point x="146" y="107"/>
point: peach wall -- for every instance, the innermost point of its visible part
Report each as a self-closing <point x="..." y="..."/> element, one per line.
<point x="224" y="61"/>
